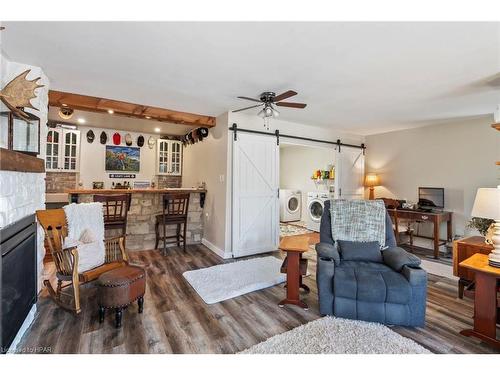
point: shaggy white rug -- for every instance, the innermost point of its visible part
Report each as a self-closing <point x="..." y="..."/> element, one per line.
<point x="226" y="281"/>
<point x="331" y="335"/>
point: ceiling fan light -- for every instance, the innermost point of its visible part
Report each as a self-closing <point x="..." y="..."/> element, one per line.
<point x="261" y="113"/>
<point x="276" y="113"/>
<point x="268" y="111"/>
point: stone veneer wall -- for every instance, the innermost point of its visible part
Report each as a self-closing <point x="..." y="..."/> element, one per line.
<point x="142" y="217"/>
<point x="169" y="181"/>
<point x="59" y="182"/>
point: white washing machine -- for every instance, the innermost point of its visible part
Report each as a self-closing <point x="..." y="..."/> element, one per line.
<point x="315" y="205"/>
<point x="290" y="205"/>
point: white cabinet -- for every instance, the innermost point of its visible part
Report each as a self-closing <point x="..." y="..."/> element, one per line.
<point x="169" y="157"/>
<point x="63" y="150"/>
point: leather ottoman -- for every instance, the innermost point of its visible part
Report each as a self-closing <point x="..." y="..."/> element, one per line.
<point x="118" y="288"/>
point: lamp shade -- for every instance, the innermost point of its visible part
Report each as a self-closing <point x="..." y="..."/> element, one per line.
<point x="372" y="179"/>
<point x="487" y="204"/>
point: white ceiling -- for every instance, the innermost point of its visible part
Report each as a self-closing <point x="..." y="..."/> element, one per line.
<point x="107" y="121"/>
<point x="358" y="77"/>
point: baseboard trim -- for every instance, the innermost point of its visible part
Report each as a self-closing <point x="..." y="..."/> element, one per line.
<point x="215" y="249"/>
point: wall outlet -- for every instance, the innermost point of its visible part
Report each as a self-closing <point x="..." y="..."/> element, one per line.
<point x="221" y="178"/>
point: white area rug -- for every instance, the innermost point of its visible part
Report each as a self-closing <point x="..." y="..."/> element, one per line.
<point x="331" y="335"/>
<point x="226" y="281"/>
<point x="439" y="269"/>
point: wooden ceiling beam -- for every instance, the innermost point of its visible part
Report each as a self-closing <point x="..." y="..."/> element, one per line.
<point x="102" y="105"/>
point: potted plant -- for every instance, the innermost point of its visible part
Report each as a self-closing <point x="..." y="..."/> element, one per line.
<point x="483" y="226"/>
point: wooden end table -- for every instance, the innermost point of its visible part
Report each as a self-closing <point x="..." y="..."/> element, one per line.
<point x="294" y="248"/>
<point x="485" y="299"/>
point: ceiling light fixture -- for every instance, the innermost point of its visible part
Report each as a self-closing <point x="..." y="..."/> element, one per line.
<point x="110" y="111"/>
<point x="148" y="117"/>
<point x="64" y="105"/>
<point x="157" y="130"/>
<point x="268" y="111"/>
<point x="81" y="120"/>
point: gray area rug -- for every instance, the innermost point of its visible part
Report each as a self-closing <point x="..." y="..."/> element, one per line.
<point x="331" y="335"/>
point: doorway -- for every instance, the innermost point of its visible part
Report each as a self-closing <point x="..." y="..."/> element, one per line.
<point x="271" y="178"/>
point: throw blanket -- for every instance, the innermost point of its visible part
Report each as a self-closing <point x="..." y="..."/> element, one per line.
<point x="358" y="220"/>
<point x="86" y="231"/>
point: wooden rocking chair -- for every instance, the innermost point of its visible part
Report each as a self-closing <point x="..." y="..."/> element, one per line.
<point x="54" y="225"/>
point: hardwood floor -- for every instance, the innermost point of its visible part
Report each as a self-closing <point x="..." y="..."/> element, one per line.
<point x="176" y="320"/>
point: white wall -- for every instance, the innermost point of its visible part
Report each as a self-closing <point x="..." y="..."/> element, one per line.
<point x="297" y="164"/>
<point x="92" y="157"/>
<point x="459" y="156"/>
<point x="206" y="161"/>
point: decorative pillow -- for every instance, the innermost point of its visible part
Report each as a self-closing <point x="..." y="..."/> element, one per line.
<point x="360" y="251"/>
<point x="91" y="254"/>
<point x="88" y="236"/>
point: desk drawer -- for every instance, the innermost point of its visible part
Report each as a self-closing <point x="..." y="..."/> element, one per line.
<point x="423" y="217"/>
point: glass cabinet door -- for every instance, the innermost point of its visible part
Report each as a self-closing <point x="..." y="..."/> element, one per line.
<point x="70" y="148"/>
<point x="52" y="151"/>
<point x="175" y="158"/>
<point x="163" y="151"/>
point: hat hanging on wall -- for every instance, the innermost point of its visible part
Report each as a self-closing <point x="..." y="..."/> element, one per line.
<point x="90" y="136"/>
<point x="117" y="139"/>
<point x="140" y="141"/>
<point x="128" y="139"/>
<point x="151" y="142"/>
<point x="203" y="132"/>
<point x="103" y="138"/>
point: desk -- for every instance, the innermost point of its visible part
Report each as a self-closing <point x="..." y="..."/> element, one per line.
<point x="485" y="299"/>
<point x="436" y="218"/>
<point x="294" y="248"/>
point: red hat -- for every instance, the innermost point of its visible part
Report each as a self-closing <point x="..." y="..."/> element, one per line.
<point x="117" y="139"/>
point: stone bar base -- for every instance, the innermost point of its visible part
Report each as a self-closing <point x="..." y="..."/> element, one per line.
<point x="142" y="218"/>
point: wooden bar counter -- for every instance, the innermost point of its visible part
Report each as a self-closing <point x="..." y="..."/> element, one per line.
<point x="145" y="204"/>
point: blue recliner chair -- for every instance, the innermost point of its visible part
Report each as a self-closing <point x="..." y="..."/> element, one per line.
<point x="392" y="290"/>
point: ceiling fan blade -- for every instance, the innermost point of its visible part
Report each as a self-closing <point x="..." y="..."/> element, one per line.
<point x="252" y="106"/>
<point x="285" y="95"/>
<point x="291" y="105"/>
<point x="247" y="98"/>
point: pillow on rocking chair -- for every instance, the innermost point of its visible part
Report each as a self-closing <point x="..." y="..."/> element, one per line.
<point x="91" y="253"/>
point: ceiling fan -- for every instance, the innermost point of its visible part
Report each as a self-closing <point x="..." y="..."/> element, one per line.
<point x="269" y="100"/>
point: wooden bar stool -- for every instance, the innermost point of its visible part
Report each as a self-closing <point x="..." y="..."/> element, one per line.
<point x="115" y="211"/>
<point x="175" y="212"/>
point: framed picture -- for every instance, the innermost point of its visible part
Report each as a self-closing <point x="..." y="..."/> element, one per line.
<point x="123" y="158"/>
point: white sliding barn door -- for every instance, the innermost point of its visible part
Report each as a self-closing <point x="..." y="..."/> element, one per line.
<point x="351" y="163"/>
<point x="255" y="214"/>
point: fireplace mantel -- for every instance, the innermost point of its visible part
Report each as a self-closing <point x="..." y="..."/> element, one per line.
<point x="19" y="162"/>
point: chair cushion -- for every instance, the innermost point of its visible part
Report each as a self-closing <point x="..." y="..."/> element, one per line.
<point x="367" y="251"/>
<point x="370" y="282"/>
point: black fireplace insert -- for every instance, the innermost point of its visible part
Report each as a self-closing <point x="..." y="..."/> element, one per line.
<point x="18" y="276"/>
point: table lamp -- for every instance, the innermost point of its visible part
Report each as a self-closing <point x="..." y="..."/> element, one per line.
<point x="487" y="206"/>
<point x="372" y="180"/>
